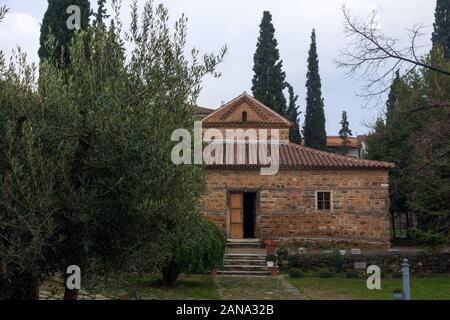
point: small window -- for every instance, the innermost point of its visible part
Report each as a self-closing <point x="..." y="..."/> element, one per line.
<point x="244" y="116"/>
<point x="323" y="200"/>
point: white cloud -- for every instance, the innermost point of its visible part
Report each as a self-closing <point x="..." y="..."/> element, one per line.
<point x="20" y="29"/>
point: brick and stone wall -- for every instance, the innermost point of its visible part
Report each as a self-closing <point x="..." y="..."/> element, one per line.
<point x="270" y="133"/>
<point x="286" y="204"/>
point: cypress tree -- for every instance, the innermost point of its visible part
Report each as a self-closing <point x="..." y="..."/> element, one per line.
<point x="389" y="142"/>
<point x="269" y="80"/>
<point x="393" y="97"/>
<point x="441" y="33"/>
<point x="101" y="12"/>
<point x="376" y="141"/>
<point x="55" y="24"/>
<point x="314" y="130"/>
<point x="292" y="114"/>
<point x="345" y="132"/>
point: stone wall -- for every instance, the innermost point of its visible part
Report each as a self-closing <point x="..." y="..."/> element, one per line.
<point x="420" y="264"/>
<point x="286" y="204"/>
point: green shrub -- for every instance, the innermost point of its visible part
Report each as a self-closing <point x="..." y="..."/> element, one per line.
<point x="295" y="273"/>
<point x="283" y="253"/>
<point x="283" y="265"/>
<point x="423" y="273"/>
<point x="201" y="250"/>
<point x="397" y="274"/>
<point x="325" y="273"/>
<point x="352" y="274"/>
<point x="336" y="261"/>
<point x="430" y="239"/>
<point x="294" y="261"/>
<point x="299" y="261"/>
<point x="311" y="274"/>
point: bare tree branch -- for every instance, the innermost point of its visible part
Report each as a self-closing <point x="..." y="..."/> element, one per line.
<point x="3" y="11"/>
<point x="435" y="105"/>
<point x="374" y="57"/>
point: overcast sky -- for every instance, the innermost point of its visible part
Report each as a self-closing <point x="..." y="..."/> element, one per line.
<point x="213" y="23"/>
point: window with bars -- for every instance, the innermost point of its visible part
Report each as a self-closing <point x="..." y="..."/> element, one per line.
<point x="323" y="200"/>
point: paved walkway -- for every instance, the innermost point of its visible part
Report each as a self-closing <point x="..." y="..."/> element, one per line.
<point x="256" y="288"/>
<point x="83" y="295"/>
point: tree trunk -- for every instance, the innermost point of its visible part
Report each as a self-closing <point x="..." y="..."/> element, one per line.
<point x="408" y="234"/>
<point x="394" y="230"/>
<point x="170" y="275"/>
<point x="70" y="294"/>
<point x="76" y="174"/>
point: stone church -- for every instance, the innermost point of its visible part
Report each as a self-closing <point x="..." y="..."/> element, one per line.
<point x="316" y="197"/>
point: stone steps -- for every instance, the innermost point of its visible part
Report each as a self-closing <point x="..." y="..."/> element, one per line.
<point x="244" y="262"/>
<point x="244" y="243"/>
<point x="245" y="258"/>
<point x="243" y="273"/>
<point x="243" y="267"/>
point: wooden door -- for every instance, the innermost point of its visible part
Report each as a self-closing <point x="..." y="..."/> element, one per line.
<point x="237" y="215"/>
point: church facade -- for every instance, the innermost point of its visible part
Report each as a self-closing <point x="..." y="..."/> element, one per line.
<point x="315" y="197"/>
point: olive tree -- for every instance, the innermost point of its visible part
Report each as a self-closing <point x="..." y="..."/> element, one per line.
<point x="102" y="127"/>
<point x="27" y="184"/>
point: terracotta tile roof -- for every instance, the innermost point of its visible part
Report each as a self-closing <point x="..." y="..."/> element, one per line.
<point x="294" y="156"/>
<point x="203" y="112"/>
<point x="362" y="138"/>
<point x="336" y="141"/>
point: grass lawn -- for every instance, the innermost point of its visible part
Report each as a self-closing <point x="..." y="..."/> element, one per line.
<point x="196" y="287"/>
<point x="430" y="288"/>
<point x="187" y="287"/>
<point x="258" y="288"/>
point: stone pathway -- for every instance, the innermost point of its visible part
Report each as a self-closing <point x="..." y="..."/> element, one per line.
<point x="291" y="289"/>
<point x="256" y="288"/>
<point x="83" y="295"/>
